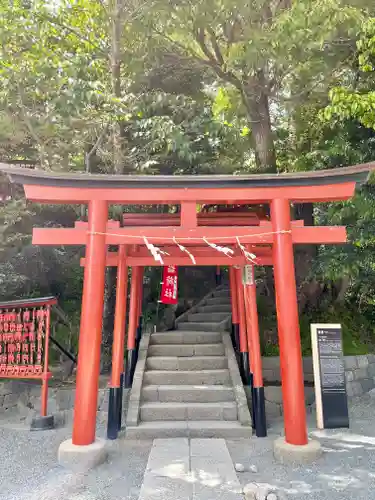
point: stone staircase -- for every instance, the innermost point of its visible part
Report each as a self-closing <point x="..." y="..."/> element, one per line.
<point x="187" y="382"/>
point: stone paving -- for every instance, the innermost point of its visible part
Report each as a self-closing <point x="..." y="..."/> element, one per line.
<point x="195" y="469"/>
<point x="29" y="470"/>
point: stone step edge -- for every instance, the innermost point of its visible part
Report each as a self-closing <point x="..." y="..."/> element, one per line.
<point x="189" y="346"/>
<point x="192" y="423"/>
<point x="187" y="387"/>
<point x="172" y="404"/>
<point x="186" y="332"/>
<point x="159" y="340"/>
<point x="194" y="323"/>
<point x="195" y="358"/>
<point x="212" y="327"/>
<point x="225" y="429"/>
<point x="210" y="344"/>
<point x="185" y="372"/>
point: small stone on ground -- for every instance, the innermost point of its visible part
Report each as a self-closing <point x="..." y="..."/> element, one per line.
<point x="271" y="496"/>
<point x="239" y="467"/>
<point x="257" y="491"/>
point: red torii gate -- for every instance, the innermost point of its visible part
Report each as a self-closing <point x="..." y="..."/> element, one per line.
<point x="192" y="230"/>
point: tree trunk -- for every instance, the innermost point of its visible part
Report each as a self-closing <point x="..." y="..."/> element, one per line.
<point x="116" y="81"/>
<point x="257" y="105"/>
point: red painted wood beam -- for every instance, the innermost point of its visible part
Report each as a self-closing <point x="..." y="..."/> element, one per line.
<point x="220" y="221"/>
<point x="223" y="235"/>
<point x="112" y="261"/>
<point x="203" y="219"/>
<point x="189" y="216"/>
<point x="205" y="252"/>
<point x="300" y="194"/>
<point x="205" y="215"/>
<point x="200" y="251"/>
<point x="111" y="224"/>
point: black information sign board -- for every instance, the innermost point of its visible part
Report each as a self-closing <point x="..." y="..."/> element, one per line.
<point x="329" y="375"/>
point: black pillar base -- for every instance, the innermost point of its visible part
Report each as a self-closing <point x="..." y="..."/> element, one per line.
<point x="251" y="406"/>
<point x="244" y="367"/>
<point x="113" y="412"/>
<point x="119" y="417"/>
<point x="232" y="336"/>
<point x="130" y="367"/>
<point x="139" y="332"/>
<point x="42" y="423"/>
<point x="236" y="334"/>
<point x="259" y="412"/>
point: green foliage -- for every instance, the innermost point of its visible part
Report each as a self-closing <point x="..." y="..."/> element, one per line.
<point x="358" y="331"/>
<point x="52" y="75"/>
<point x="357" y="98"/>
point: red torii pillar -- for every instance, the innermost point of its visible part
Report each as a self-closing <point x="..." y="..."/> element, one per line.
<point x="116" y="383"/>
<point x="133" y="325"/>
<point x="88" y="367"/>
<point x="139" y="308"/>
<point x="288" y="326"/>
<point x="243" y="352"/>
<point x="218" y="276"/>
<point x="255" y="358"/>
<point x="234" y="304"/>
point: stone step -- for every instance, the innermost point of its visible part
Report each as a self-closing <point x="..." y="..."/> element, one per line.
<point x="188" y="411"/>
<point x="186" y="350"/>
<point x="199" y="327"/>
<point x="201" y="377"/>
<point x="213" y="301"/>
<point x="192" y="429"/>
<point x="210" y="317"/>
<point x="216" y="308"/>
<point x="223" y="292"/>
<point x="187" y="393"/>
<point x="184" y="363"/>
<point x="186" y="337"/>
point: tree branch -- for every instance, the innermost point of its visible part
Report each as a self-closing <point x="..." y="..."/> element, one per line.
<point x="94" y="148"/>
<point x="216" y="47"/>
<point x="56" y="22"/>
<point x="211" y="62"/>
<point x="200" y="37"/>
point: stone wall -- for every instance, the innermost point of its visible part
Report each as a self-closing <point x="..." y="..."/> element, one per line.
<point x="359" y="372"/>
<point x="21" y="400"/>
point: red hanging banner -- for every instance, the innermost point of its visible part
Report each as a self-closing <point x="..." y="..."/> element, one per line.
<point x="169" y="285"/>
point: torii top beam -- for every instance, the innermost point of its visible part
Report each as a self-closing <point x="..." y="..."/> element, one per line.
<point x="326" y="185"/>
<point x="301" y="187"/>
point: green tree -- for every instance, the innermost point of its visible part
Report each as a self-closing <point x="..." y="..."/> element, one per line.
<point x="261" y="49"/>
<point x="355" y="98"/>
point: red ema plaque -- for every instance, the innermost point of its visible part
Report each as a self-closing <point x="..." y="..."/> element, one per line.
<point x="24" y="334"/>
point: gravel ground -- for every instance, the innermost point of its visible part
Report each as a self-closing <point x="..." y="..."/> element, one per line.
<point x="346" y="470"/>
<point x="29" y="470"/>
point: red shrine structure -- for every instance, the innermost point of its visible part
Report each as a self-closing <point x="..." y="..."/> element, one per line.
<point x="190" y="237"/>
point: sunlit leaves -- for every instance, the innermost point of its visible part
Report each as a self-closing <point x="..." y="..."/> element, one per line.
<point x="357" y="99"/>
